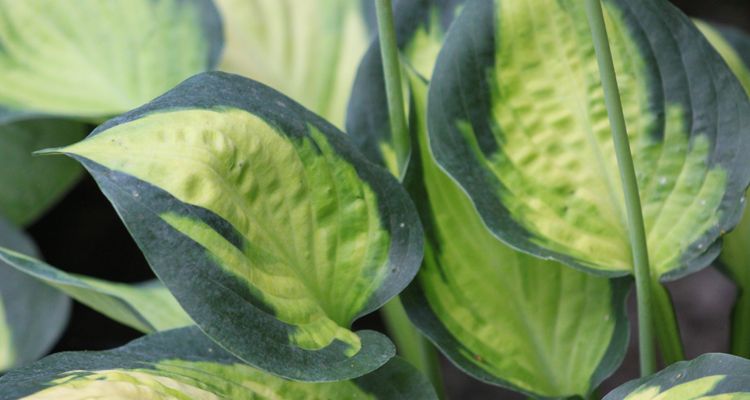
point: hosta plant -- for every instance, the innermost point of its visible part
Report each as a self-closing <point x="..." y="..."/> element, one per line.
<point x="510" y="169"/>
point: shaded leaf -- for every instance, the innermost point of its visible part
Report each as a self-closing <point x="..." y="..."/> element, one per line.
<point x="30" y="185"/>
<point x="271" y="231"/>
<point x="185" y="364"/>
<point x="308" y="50"/>
<point x="147" y="307"/>
<point x="708" y="377"/>
<point x="32" y="315"/>
<point x="517" y="116"/>
<point x="94" y="59"/>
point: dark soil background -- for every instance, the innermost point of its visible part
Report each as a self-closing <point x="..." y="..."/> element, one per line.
<point x="83" y="235"/>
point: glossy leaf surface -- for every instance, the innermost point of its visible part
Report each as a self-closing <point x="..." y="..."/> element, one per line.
<point x="147" y="307"/>
<point x="708" y="377"/>
<point x="32" y="315"/>
<point x="271" y="231"/>
<point x="517" y="116"/>
<point x="94" y="59"/>
<point x="185" y="364"/>
<point x="30" y="185"/>
<point x="308" y="50"/>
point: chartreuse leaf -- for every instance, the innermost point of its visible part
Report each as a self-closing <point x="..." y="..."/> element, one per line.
<point x="32" y="315"/>
<point x="147" y="307"/>
<point x="94" y="59"/>
<point x="517" y="116"/>
<point x="30" y="185"/>
<point x="308" y="50"/>
<point x="708" y="377"/>
<point x="185" y="364"/>
<point x="420" y="27"/>
<point x="734" y="46"/>
<point x="271" y="231"/>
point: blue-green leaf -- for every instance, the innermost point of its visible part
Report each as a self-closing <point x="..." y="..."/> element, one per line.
<point x="32" y="315"/>
<point x="30" y="185"/>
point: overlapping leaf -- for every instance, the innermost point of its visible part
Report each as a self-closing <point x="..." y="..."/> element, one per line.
<point x="94" y="59"/>
<point x="147" y="307"/>
<point x="708" y="377"/>
<point x="185" y="364"/>
<point x="504" y="317"/>
<point x="308" y="50"/>
<point x="517" y="116"/>
<point x="30" y="185"/>
<point x="32" y="315"/>
<point x="271" y="231"/>
<point x="734" y="46"/>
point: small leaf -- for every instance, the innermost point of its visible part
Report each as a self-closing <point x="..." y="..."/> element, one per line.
<point x="147" y="307"/>
<point x="308" y="50"/>
<point x="94" y="59"/>
<point x="517" y="117"/>
<point x="271" y="231"/>
<point x="710" y="376"/>
<point x="32" y="315"/>
<point x="30" y="185"/>
<point x="185" y="364"/>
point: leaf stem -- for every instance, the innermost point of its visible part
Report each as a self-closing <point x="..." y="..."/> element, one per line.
<point x="667" y="330"/>
<point x="741" y="325"/>
<point x="392" y="72"/>
<point x="636" y="229"/>
<point x="411" y="345"/>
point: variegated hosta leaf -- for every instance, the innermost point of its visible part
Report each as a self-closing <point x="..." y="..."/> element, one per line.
<point x="508" y="318"/>
<point x="708" y="377"/>
<point x="308" y="50"/>
<point x="94" y="59"/>
<point x="30" y="185"/>
<point x="147" y="307"/>
<point x="502" y="316"/>
<point x="32" y="315"/>
<point x="421" y="27"/>
<point x="271" y="231"/>
<point x="734" y="46"/>
<point x="517" y="116"/>
<point x="185" y="364"/>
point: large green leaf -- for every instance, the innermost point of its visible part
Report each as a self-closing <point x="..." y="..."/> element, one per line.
<point x="734" y="46"/>
<point x="269" y="228"/>
<point x="504" y="317"/>
<point x="30" y="185"/>
<point x="308" y="50"/>
<point x="508" y="318"/>
<point x="94" y="59"/>
<point x="32" y="315"/>
<point x="184" y="364"/>
<point x="708" y="377"/>
<point x="517" y="116"/>
<point x="147" y="307"/>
